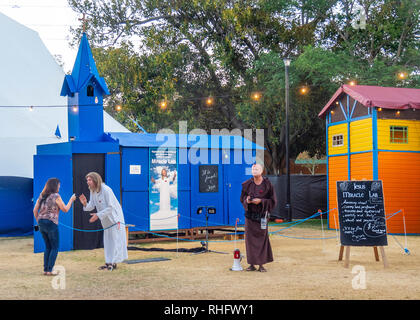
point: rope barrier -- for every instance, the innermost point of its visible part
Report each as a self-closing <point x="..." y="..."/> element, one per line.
<point x="221" y="241"/>
<point x="85" y="230"/>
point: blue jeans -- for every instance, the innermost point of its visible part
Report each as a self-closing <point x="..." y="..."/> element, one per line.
<point x="49" y="231"/>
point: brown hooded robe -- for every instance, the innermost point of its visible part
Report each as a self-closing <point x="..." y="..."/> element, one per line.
<point x="258" y="248"/>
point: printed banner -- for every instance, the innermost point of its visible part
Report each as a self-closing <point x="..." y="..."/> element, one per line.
<point x="163" y="190"/>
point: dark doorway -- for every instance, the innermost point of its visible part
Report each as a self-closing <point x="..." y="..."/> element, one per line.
<point x="82" y="165"/>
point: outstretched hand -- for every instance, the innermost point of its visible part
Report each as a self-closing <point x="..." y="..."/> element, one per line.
<point x="83" y="200"/>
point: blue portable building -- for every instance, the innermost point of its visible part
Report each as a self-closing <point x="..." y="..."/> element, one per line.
<point x="207" y="170"/>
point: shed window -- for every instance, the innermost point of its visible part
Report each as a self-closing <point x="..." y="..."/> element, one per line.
<point x="398" y="134"/>
<point x="338" y="140"/>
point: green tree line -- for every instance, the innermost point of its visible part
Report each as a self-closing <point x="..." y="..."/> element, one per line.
<point x="183" y="51"/>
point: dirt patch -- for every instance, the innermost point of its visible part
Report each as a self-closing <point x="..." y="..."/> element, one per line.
<point x="303" y="269"/>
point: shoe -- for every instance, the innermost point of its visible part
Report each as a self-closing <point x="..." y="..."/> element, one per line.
<point x="112" y="266"/>
<point x="105" y="266"/>
<point x="262" y="269"/>
<point x="251" y="268"/>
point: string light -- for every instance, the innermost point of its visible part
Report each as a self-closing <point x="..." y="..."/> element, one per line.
<point x="118" y="107"/>
<point x="352" y="83"/>
<point x="31" y="108"/>
<point x="379" y="109"/>
<point x="163" y="105"/>
<point x="304" y="90"/>
<point x="256" y="96"/>
<point x="402" y="75"/>
<point x="209" y="101"/>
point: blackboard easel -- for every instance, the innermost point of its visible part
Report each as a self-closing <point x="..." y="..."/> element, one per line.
<point x="375" y="251"/>
<point x="362" y="217"/>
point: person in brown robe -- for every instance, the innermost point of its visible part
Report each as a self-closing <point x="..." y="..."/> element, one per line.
<point x="257" y="198"/>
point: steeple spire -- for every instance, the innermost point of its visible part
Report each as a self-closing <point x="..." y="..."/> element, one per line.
<point x="85" y="90"/>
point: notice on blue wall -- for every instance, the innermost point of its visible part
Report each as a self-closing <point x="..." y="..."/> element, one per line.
<point x="163" y="190"/>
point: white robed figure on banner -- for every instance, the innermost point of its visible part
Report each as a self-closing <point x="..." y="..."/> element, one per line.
<point x="165" y="218"/>
<point x="110" y="213"/>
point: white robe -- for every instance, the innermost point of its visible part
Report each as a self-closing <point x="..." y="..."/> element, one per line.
<point x="110" y="212"/>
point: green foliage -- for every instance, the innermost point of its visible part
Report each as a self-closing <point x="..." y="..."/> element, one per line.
<point x="227" y="49"/>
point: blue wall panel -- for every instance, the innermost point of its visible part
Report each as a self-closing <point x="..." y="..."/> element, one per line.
<point x="235" y="175"/>
<point x="213" y="199"/>
<point x="184" y="168"/>
<point x="135" y="207"/>
<point x="184" y="210"/>
<point x="61" y="167"/>
<point x="135" y="156"/>
<point x="112" y="173"/>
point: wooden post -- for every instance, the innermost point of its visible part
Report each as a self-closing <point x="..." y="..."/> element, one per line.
<point x="340" y="256"/>
<point x="375" y="251"/>
<point x="347" y="259"/>
<point x="384" y="259"/>
<point x="126" y="230"/>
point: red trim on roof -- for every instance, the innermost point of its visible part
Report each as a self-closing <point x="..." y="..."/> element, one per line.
<point x="383" y="97"/>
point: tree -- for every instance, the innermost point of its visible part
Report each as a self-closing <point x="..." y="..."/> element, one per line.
<point x="228" y="49"/>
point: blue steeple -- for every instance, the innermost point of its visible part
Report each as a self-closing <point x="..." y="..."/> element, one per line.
<point x="85" y="90"/>
<point x="84" y="70"/>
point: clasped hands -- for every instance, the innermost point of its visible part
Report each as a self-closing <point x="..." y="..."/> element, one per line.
<point x="254" y="200"/>
<point x="83" y="200"/>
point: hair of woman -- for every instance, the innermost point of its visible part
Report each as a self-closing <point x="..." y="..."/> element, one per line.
<point x="51" y="186"/>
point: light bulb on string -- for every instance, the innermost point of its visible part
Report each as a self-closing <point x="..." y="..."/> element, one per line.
<point x="209" y="101"/>
<point x="163" y="104"/>
<point x="256" y="96"/>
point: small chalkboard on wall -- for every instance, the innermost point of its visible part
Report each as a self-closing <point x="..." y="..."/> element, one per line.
<point x="361" y="213"/>
<point x="208" y="178"/>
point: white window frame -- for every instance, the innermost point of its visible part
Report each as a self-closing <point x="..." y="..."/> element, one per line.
<point x="338" y="138"/>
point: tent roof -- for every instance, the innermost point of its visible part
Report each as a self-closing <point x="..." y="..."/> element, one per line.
<point x="183" y="140"/>
<point x="374" y="96"/>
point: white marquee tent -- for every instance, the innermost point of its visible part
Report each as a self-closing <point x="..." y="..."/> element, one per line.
<point x="30" y="76"/>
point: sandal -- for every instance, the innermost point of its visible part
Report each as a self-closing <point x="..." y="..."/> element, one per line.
<point x="105" y="266"/>
<point x="251" y="268"/>
<point x="262" y="269"/>
<point x="111" y="266"/>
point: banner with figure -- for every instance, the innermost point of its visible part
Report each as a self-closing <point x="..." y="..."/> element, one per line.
<point x="163" y="190"/>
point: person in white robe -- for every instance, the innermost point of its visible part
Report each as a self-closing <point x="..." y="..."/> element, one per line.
<point x="110" y="213"/>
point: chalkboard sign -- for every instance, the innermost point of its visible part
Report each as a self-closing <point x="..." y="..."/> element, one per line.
<point x="361" y="213"/>
<point x="208" y="178"/>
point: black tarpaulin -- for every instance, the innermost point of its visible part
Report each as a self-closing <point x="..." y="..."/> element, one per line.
<point x="308" y="194"/>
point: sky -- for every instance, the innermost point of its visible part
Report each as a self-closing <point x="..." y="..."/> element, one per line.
<point x="52" y="20"/>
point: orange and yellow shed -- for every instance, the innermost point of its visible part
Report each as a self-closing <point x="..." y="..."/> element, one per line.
<point x="373" y="133"/>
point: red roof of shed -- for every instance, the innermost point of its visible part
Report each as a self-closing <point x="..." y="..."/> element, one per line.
<point x="383" y="97"/>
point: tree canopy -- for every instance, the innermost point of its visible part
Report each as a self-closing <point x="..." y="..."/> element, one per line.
<point x="183" y="51"/>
